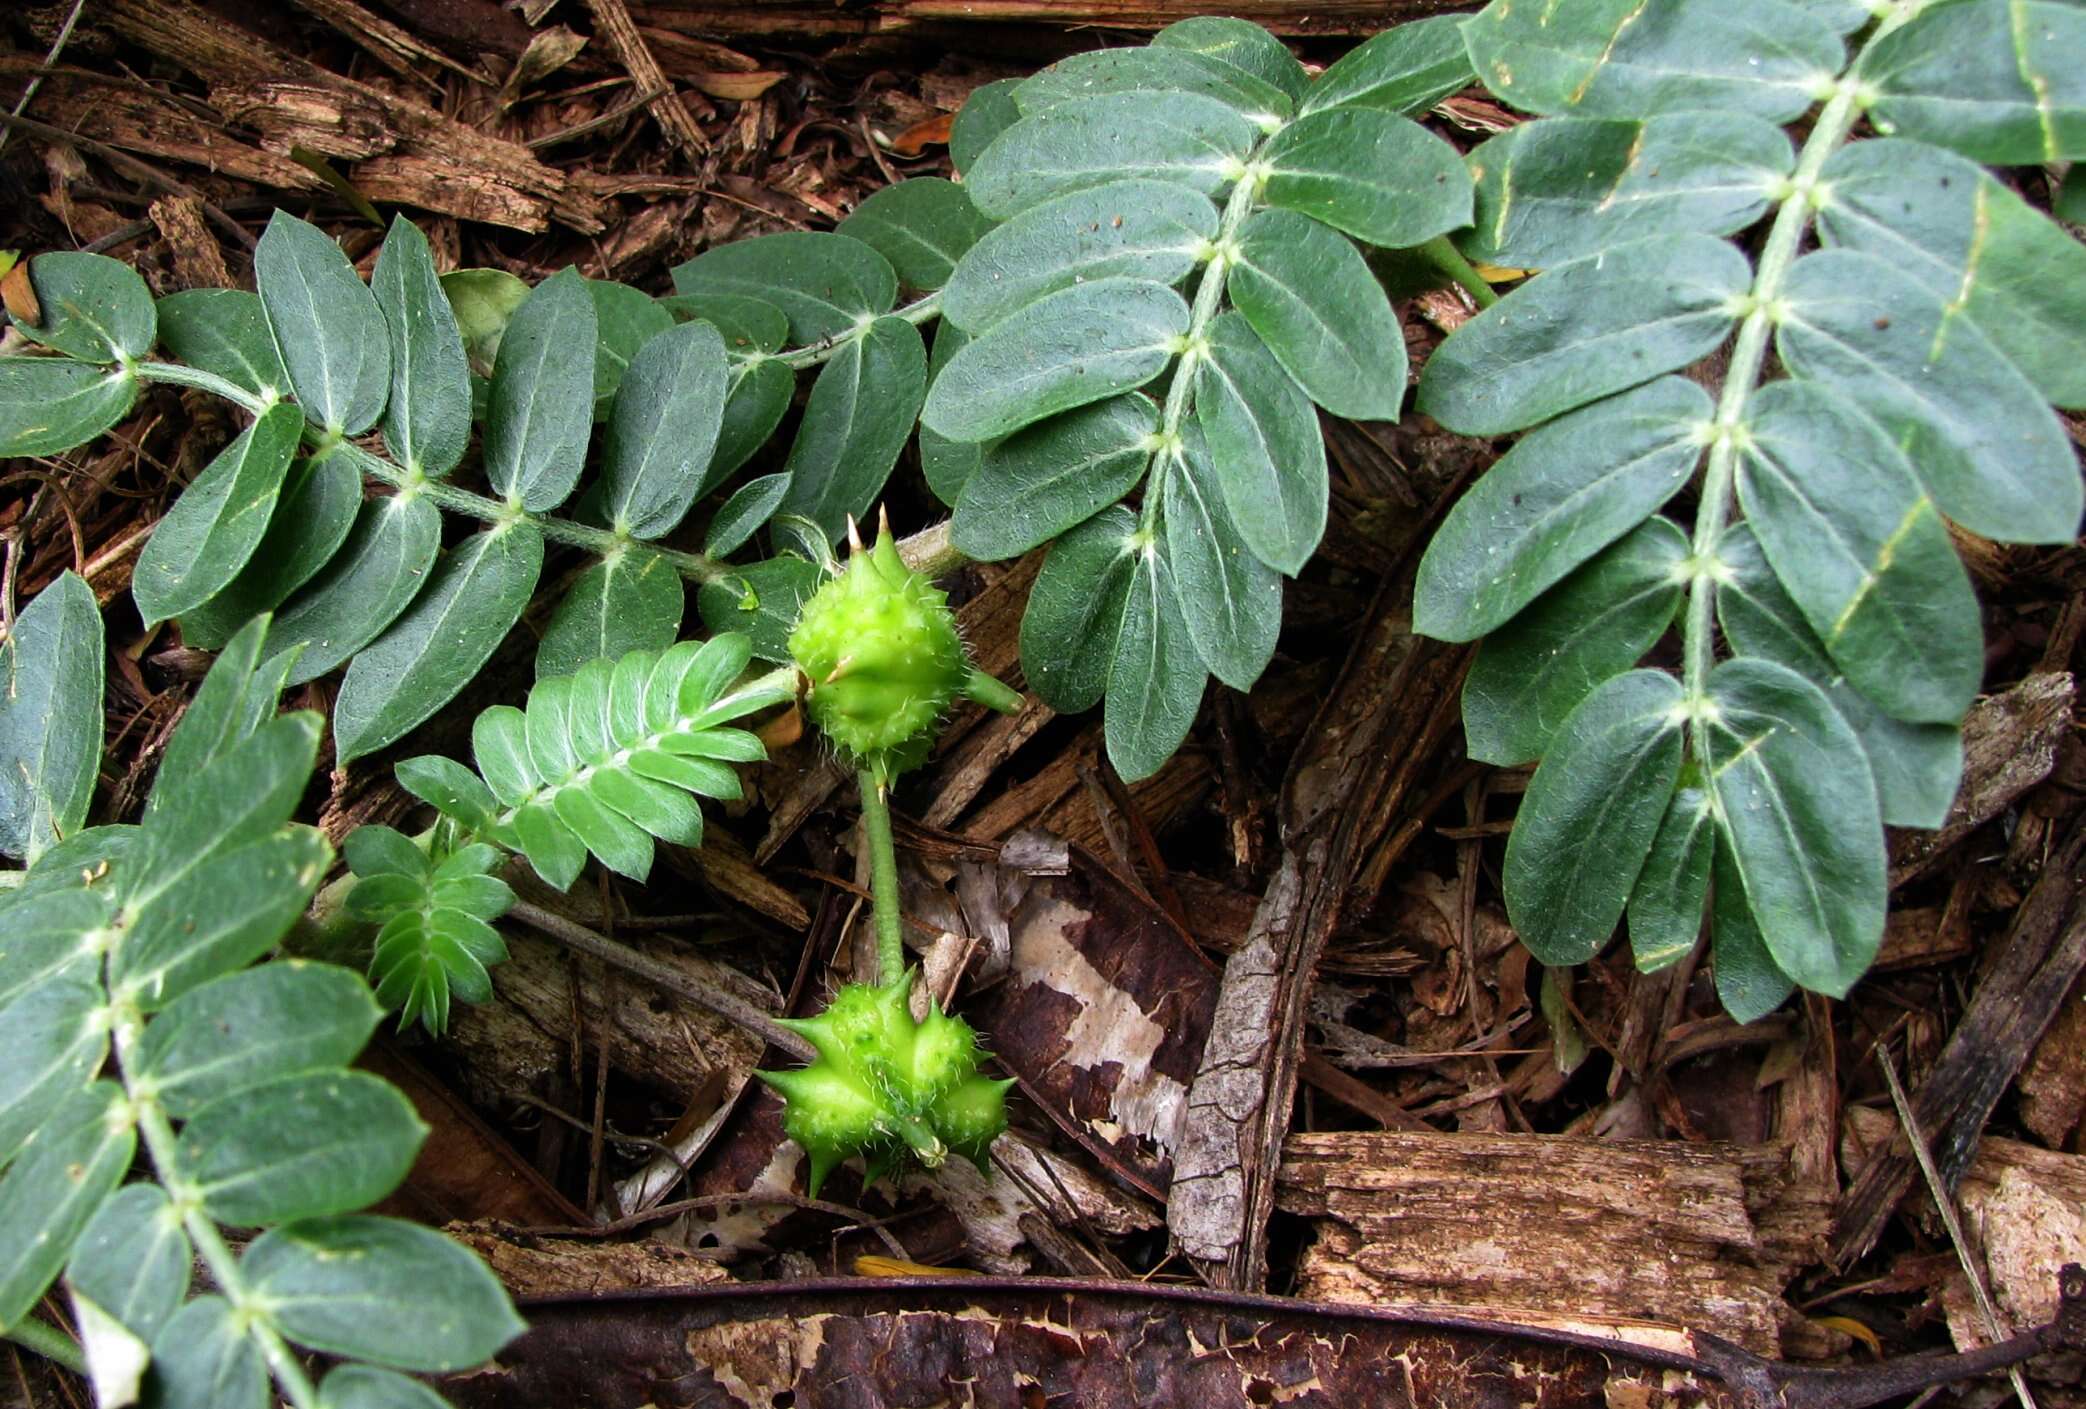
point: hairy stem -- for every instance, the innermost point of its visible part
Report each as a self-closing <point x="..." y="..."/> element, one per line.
<point x="1727" y="429"/>
<point x="883" y="879"/>
<point x="158" y="1134"/>
<point x="1441" y="252"/>
<point x="921" y="311"/>
<point x="49" y="1342"/>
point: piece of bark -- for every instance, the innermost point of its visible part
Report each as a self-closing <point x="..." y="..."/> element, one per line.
<point x="2038" y="961"/>
<point x="1345" y="790"/>
<point x="2009" y="745"/>
<point x="410" y="153"/>
<point x="613" y="25"/>
<point x="770" y="19"/>
<point x="2053" y="1084"/>
<point x="199" y="261"/>
<point x="1642" y="1240"/>
<point x="530" y="1265"/>
<point x="2026" y="1207"/>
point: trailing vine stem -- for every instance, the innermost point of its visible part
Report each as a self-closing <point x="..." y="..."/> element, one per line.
<point x="1725" y="434"/>
<point x="49" y="1342"/>
<point x="1209" y="292"/>
<point x="883" y="879"/>
<point x="933" y="556"/>
<point x="158" y="1134"/>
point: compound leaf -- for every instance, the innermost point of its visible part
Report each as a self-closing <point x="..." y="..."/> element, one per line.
<point x="540" y="411"/>
<point x="1979" y="436"/>
<point x="1135" y="229"/>
<point x="1797" y="805"/>
<point x="200" y="544"/>
<point x="327" y="326"/>
<point x="1264" y="445"/>
<point x="1585" y="330"/>
<point x="1591" y="814"/>
<point x="50" y="717"/>
<point x="1312" y="299"/>
<point x="1563" y="493"/>
<point x="1531" y="673"/>
<point x="1042" y="480"/>
<point x="1070" y="348"/>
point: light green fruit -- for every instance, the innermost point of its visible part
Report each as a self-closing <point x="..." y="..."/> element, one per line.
<point x="885" y="1084"/>
<point x="879" y="646"/>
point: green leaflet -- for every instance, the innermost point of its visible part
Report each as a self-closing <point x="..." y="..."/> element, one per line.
<point x="242" y="791"/>
<point x="1161" y="68"/>
<point x="1558" y="190"/>
<point x="1749" y="984"/>
<point x="1312" y="299"/>
<point x="48" y="405"/>
<point x="760" y="397"/>
<point x="541" y="409"/>
<point x="236" y="698"/>
<point x="603" y="761"/>
<point x="1155" y="680"/>
<point x="946" y="464"/>
<point x="314" y="513"/>
<point x="862" y="408"/>
<point x="132" y="1259"/>
<point x="433" y="913"/>
<point x="1532" y="672"/>
<point x="54" y="1047"/>
<point x="2000" y="83"/>
<point x="1566" y="491"/>
<point x="1377" y="176"/>
<point x="94" y="308"/>
<point x="1406" y="69"/>
<point x="1797" y="806"/>
<point x="750" y="328"/>
<point x="48" y="1194"/>
<point x="1863" y="551"/>
<point x="1264" y="445"/>
<point x="477" y="593"/>
<point x="44" y="929"/>
<point x="1916" y="765"/>
<point x="1665" y="910"/>
<point x="1070" y="348"/>
<point x="1590" y="816"/>
<point x="204" y="1358"/>
<point x="371" y="579"/>
<point x="383" y="1290"/>
<point x="224" y="331"/>
<point x="923" y="226"/>
<point x="760" y="601"/>
<point x="50" y="718"/>
<point x="825" y="284"/>
<point x="327" y="326"/>
<point x="202" y="542"/>
<point x="254" y="1026"/>
<point x="427" y="421"/>
<point x="662" y="430"/>
<point x="1623" y="58"/>
<point x="1185" y="138"/>
<point x="483" y="302"/>
<point x="625" y="321"/>
<point x="632" y="601"/>
<point x="989" y="111"/>
<point x="741" y="516"/>
<point x="354" y="1386"/>
<point x="1075" y="611"/>
<point x="300" y="1146"/>
<point x="1974" y="244"/>
<point x="1979" y="436"/>
<point x="1584" y="330"/>
<point x="1230" y="601"/>
<point x="1241" y="44"/>
<point x="1040" y="481"/>
<point x="1135" y="229"/>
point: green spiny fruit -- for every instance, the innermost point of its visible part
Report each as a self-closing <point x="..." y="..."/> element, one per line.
<point x="885" y="1083"/>
<point x="879" y="646"/>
